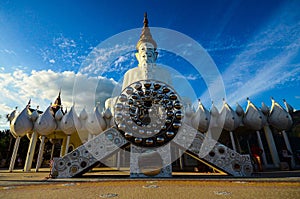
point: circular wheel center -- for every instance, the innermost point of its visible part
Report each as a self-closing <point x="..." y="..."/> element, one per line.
<point x="148" y="113"/>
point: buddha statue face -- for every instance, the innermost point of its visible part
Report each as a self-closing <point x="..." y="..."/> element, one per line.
<point x="146" y="54"/>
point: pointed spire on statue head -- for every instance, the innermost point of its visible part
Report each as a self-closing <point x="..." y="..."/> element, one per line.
<point x="145" y="20"/>
<point x="146" y="35"/>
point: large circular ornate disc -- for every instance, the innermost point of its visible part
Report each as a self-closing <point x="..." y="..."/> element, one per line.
<point x="148" y="113"/>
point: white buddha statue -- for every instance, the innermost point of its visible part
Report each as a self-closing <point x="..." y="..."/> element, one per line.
<point x="146" y="57"/>
<point x="146" y="69"/>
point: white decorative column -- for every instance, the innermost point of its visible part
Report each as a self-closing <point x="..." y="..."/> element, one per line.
<point x="30" y="152"/>
<point x="67" y="143"/>
<point x="118" y="160"/>
<point x="260" y="144"/>
<point x="40" y="156"/>
<point x="232" y="141"/>
<point x="52" y="150"/>
<point x="14" y="155"/>
<point x="272" y="146"/>
<point x="63" y="147"/>
<point x="180" y="154"/>
<point x="90" y="136"/>
<point x="288" y="146"/>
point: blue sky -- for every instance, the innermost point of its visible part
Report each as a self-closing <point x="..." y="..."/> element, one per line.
<point x="254" y="44"/>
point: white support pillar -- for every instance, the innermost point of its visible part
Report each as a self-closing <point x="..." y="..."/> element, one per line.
<point x="123" y="158"/>
<point x="30" y="152"/>
<point x="232" y="141"/>
<point x="40" y="156"/>
<point x="63" y="147"/>
<point x="260" y="144"/>
<point x="14" y="155"/>
<point x="90" y="136"/>
<point x="118" y="159"/>
<point x="180" y="154"/>
<point x="272" y="146"/>
<point x="288" y="147"/>
<point x="52" y="150"/>
<point x="67" y="144"/>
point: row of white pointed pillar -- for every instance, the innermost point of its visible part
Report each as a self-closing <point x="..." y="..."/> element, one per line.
<point x="202" y="120"/>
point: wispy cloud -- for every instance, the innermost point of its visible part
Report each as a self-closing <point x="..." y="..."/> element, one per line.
<point x="64" y="43"/>
<point x="66" y="51"/>
<point x="191" y="77"/>
<point x="269" y="76"/>
<point x="268" y="61"/>
<point x="7" y="51"/>
<point x="107" y="60"/>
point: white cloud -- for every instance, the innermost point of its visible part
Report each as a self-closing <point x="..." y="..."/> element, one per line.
<point x="192" y="76"/>
<point x="7" y="51"/>
<point x="42" y="88"/>
<point x="65" y="51"/>
<point x="63" y="42"/>
<point x="69" y="52"/>
<point x="106" y="60"/>
<point x="4" y="109"/>
<point x="189" y="76"/>
<point x="119" y="61"/>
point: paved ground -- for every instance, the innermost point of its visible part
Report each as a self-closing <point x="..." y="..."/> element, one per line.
<point x="117" y="185"/>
